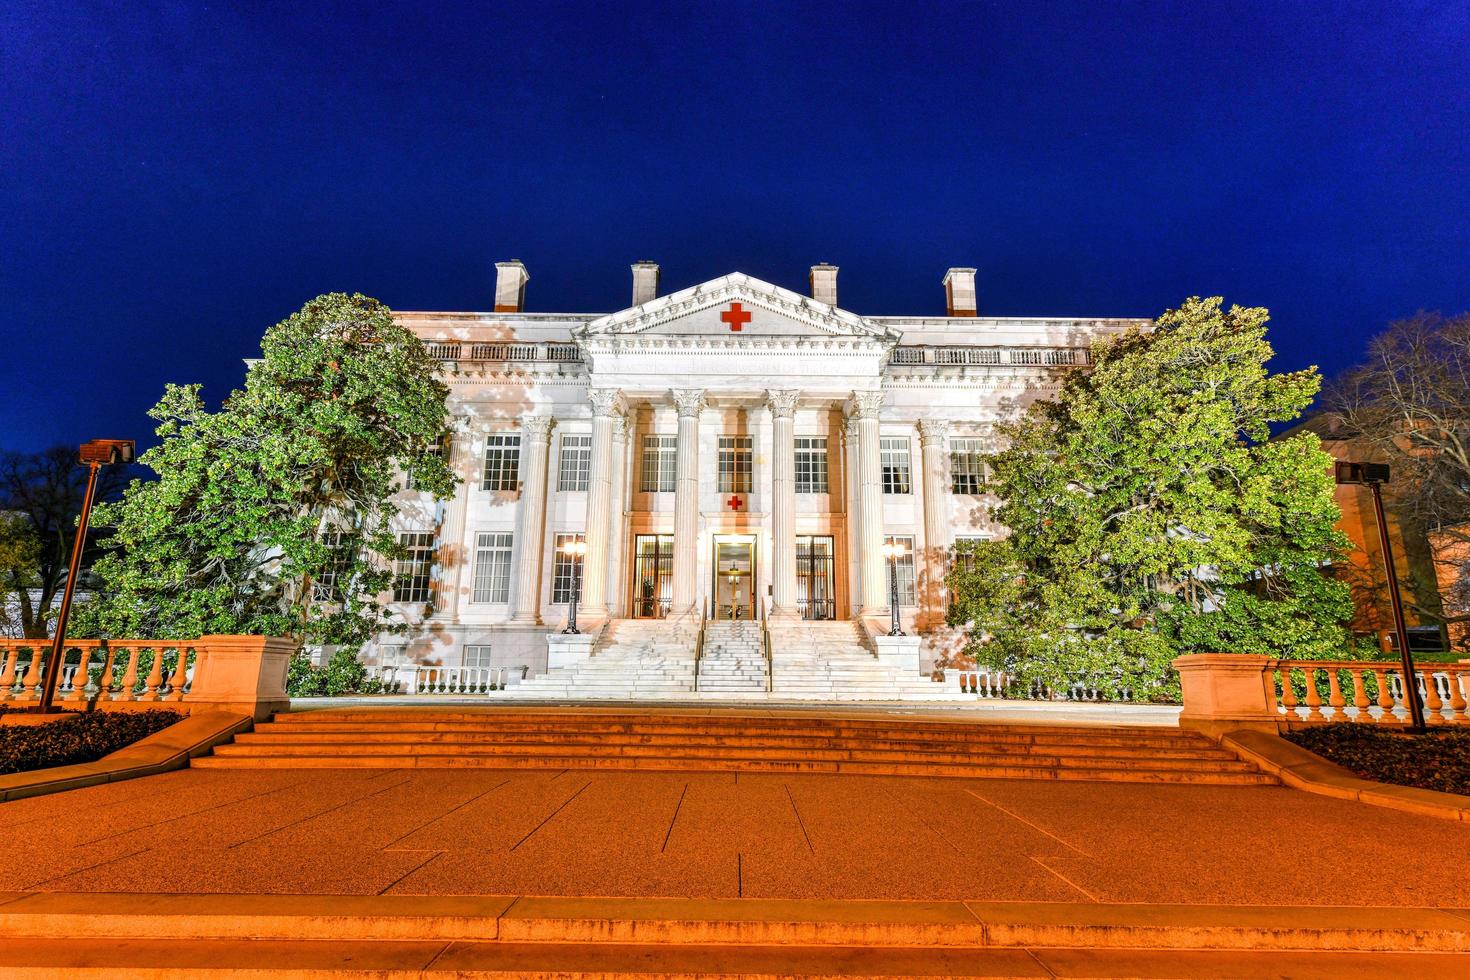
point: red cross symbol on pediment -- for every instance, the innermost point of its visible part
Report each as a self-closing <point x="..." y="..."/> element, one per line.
<point x="736" y="316"/>
<point x="735" y="503"/>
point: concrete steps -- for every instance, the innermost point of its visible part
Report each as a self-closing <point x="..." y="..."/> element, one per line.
<point x="511" y="739"/>
<point x="634" y="659"/>
<point x="550" y="936"/>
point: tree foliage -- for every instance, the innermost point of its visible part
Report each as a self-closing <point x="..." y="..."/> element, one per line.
<point x="1408" y="404"/>
<point x="1150" y="514"/>
<point x="272" y="515"/>
<point x="45" y="489"/>
<point x="19" y="550"/>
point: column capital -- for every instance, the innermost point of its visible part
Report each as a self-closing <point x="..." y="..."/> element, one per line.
<point x="605" y="401"/>
<point x="865" y="404"/>
<point x="783" y="403"/>
<point x="933" y="432"/>
<point x="689" y="401"/>
<point x="537" y="427"/>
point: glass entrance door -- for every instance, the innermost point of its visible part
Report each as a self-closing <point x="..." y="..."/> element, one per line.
<point x="653" y="575"/>
<point x="815" y="598"/>
<point x="734" y="578"/>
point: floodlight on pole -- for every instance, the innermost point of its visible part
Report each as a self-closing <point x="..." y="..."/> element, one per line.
<point x="1373" y="476"/>
<point x="94" y="455"/>
<point x="574" y="550"/>
<point x="892" y="550"/>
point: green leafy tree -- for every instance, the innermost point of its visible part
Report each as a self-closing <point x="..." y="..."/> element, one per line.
<point x="272" y="515"/>
<point x="19" y="564"/>
<point x="1151" y="515"/>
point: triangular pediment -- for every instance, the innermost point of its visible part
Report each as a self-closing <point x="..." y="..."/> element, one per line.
<point x="735" y="305"/>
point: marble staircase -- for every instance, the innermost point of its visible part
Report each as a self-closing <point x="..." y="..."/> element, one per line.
<point x="733" y="661"/>
<point x="828" y="661"/>
<point x="634" y="659"/>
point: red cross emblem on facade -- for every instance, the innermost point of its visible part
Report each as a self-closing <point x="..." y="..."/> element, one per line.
<point x="736" y="317"/>
<point x="735" y="503"/>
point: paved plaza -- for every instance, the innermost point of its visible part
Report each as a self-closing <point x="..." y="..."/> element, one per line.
<point x="725" y="835"/>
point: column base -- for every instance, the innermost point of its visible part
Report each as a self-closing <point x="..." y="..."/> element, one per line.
<point x="526" y="619"/>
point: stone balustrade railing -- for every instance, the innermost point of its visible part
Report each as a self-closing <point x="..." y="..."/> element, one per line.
<point x="456" y="351"/>
<point x="1223" y="691"/>
<point x="244" y="673"/>
<point x="426" y="679"/>
<point x="1364" y="692"/>
<point x="956" y="356"/>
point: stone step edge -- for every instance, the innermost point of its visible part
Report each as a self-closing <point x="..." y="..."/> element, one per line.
<point x="735" y="921"/>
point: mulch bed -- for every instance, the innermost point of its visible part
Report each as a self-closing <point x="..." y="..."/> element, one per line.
<point x="79" y="738"/>
<point x="1437" y="760"/>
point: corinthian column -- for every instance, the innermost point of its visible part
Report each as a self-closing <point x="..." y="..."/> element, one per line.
<point x="531" y="519"/>
<point x="865" y="406"/>
<point x="606" y="403"/>
<point x="452" y="548"/>
<point x="618" y="537"/>
<point x="689" y="401"/>
<point x="783" y="500"/>
<point x="934" y="437"/>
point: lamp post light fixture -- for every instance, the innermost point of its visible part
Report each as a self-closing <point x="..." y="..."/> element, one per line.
<point x="1373" y="476"/>
<point x="574" y="550"/>
<point x="892" y="550"/>
<point x="94" y="455"/>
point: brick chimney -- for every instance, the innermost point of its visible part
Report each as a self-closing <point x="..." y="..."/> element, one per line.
<point x="510" y="286"/>
<point x="645" y="281"/>
<point x="959" y="292"/>
<point x="824" y="283"/>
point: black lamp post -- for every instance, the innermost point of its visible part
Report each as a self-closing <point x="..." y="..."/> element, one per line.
<point x="892" y="550"/>
<point x="94" y="455"/>
<point x="574" y="550"/>
<point x="1373" y="476"/>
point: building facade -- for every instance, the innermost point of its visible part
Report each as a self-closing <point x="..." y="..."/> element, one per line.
<point x="726" y="451"/>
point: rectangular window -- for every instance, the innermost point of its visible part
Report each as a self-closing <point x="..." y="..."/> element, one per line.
<point x="477" y="655"/>
<point x="391" y="656"/>
<point x="492" y="567"/>
<point x="906" y="594"/>
<point x="411" y="573"/>
<point x="440" y="450"/>
<point x="659" y="463"/>
<point x="964" y="550"/>
<point x="576" y="462"/>
<point x="811" y="464"/>
<point x="327" y="586"/>
<point x="968" y="471"/>
<point x="502" y="461"/>
<point x="734" y="464"/>
<point x="563" y="571"/>
<point x="894" y="458"/>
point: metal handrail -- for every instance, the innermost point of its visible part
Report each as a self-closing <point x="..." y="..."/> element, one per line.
<point x="766" y="640"/>
<point x="699" y="643"/>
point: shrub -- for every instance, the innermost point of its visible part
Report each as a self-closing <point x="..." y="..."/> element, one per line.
<point x="77" y="738"/>
<point x="344" y="674"/>
<point x="1438" y="760"/>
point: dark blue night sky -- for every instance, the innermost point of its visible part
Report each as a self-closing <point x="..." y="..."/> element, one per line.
<point x="176" y="177"/>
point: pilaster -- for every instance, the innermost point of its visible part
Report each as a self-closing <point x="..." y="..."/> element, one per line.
<point x="934" y="438"/>
<point x="783" y="500"/>
<point x="606" y="407"/>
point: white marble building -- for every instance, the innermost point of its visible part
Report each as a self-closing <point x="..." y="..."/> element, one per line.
<point x="724" y="451"/>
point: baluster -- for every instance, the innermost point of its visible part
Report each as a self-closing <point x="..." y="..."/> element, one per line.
<point x="1360" y="695"/>
<point x="1334" y="695"/>
<point x="1432" y="703"/>
<point x="152" y="686"/>
<point x="128" y="691"/>
<point x="1313" y="700"/>
<point x="7" y="676"/>
<point x="1457" y="693"/>
<point x="1288" y="692"/>
<point x="79" y="679"/>
<point x="32" y="679"/>
<point x="1385" y="695"/>
<point x="180" y="676"/>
